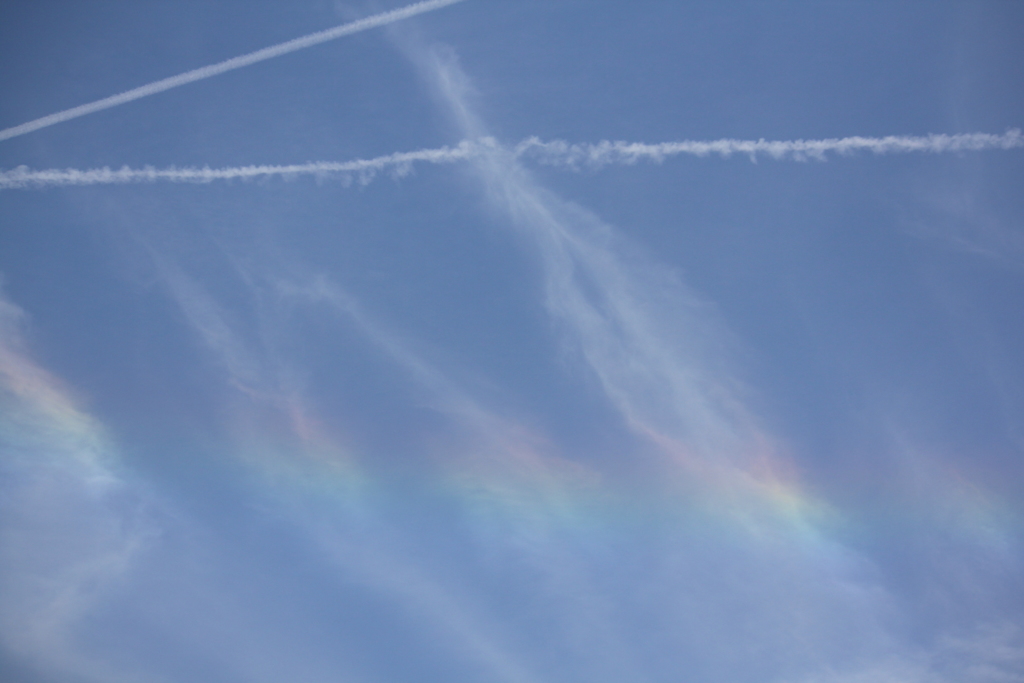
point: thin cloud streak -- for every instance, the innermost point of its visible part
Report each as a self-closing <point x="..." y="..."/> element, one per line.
<point x="522" y="479"/>
<point x="70" y="527"/>
<point x="554" y="153"/>
<point x="367" y="547"/>
<point x="375" y="556"/>
<point x="228" y="65"/>
<point x="659" y="354"/>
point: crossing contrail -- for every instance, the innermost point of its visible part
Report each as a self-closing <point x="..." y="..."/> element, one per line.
<point x="554" y="153"/>
<point x="228" y="65"/>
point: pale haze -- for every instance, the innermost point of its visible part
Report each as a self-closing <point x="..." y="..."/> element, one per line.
<point x="511" y="342"/>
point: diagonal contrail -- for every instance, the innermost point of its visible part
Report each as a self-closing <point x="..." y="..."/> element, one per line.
<point x="555" y="153"/>
<point x="228" y="65"/>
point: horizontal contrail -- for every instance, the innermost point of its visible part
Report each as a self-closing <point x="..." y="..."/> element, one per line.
<point x="555" y="153"/>
<point x="560" y="153"/>
<point x="364" y="169"/>
<point x="228" y="65"/>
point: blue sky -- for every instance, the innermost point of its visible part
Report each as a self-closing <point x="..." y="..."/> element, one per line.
<point x="506" y="411"/>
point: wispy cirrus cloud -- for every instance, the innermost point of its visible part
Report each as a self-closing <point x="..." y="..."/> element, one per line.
<point x="317" y="483"/>
<point x="990" y="653"/>
<point x="514" y="491"/>
<point x="211" y="70"/>
<point x="70" y="527"/>
<point x="657" y="348"/>
<point x="662" y="358"/>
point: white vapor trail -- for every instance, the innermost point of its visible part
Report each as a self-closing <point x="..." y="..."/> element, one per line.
<point x="554" y="153"/>
<point x="560" y="153"/>
<point x="399" y="163"/>
<point x="228" y="65"/>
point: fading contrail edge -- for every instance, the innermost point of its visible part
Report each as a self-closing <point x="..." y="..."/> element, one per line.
<point x="554" y="153"/>
<point x="228" y="65"/>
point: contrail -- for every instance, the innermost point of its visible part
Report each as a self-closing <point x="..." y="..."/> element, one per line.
<point x="365" y="169"/>
<point x="560" y="153"/>
<point x="228" y="65"/>
<point x="554" y="153"/>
